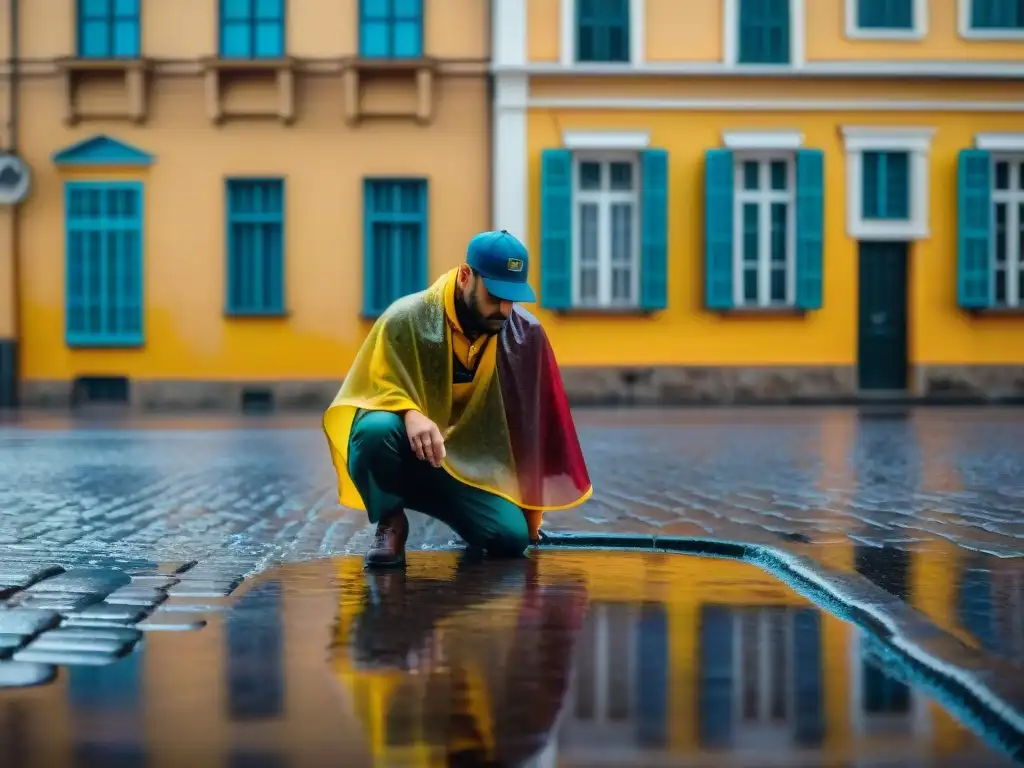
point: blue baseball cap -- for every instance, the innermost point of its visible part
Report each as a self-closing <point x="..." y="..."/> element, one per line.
<point x="502" y="261"/>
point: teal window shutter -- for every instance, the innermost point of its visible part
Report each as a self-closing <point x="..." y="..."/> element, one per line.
<point x="654" y="230"/>
<point x="556" y="229"/>
<point x="974" y="228"/>
<point x="602" y="30"/>
<point x="252" y="29"/>
<point x="810" y="227"/>
<point x="108" y="29"/>
<point x="717" y="668"/>
<point x="885" y="14"/>
<point x="809" y="689"/>
<point x="103" y="263"/>
<point x="391" y="29"/>
<point x="718" y="229"/>
<point x="255" y="247"/>
<point x="997" y="14"/>
<point x="394" y="241"/>
<point x="763" y="35"/>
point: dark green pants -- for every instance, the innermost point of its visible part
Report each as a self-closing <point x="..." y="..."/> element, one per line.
<point x="389" y="477"/>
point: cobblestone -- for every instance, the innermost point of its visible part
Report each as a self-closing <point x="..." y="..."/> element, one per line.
<point x="17" y="674"/>
<point x="26" y="621"/>
<point x="150" y="498"/>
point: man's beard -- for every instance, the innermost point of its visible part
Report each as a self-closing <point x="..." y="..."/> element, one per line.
<point x="473" y="321"/>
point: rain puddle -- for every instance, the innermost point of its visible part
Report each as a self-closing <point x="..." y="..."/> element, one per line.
<point x="567" y="659"/>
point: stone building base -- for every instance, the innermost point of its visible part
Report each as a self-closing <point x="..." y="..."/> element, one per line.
<point x="998" y="383"/>
<point x="669" y="385"/>
<point x="170" y="395"/>
<point x="677" y="385"/>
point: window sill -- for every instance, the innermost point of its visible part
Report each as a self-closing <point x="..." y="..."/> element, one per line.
<point x="111" y="344"/>
<point x="883" y="34"/>
<point x="77" y="72"/>
<point x="107" y="63"/>
<point x="887" y="230"/>
<point x="251" y="63"/>
<point x="586" y="312"/>
<point x="257" y="314"/>
<point x="788" y="311"/>
<point x="277" y="102"/>
<point x="997" y="312"/>
<point x="992" y="35"/>
<point x="365" y="73"/>
<point x="624" y="63"/>
<point x="767" y="66"/>
<point x="392" y="63"/>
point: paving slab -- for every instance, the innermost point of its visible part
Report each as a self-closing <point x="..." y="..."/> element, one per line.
<point x="27" y="621"/>
<point x="14" y="674"/>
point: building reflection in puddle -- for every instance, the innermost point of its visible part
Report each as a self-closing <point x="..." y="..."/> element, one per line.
<point x="570" y="659"/>
<point x="255" y="655"/>
<point x="990" y="604"/>
<point x="678" y="659"/>
<point x="107" y="705"/>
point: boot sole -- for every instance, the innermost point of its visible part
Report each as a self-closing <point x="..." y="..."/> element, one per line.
<point x="383" y="564"/>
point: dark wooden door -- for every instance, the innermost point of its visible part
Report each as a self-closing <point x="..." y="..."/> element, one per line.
<point x="882" y="321"/>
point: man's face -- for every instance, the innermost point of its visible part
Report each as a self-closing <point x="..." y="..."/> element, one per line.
<point x="485" y="313"/>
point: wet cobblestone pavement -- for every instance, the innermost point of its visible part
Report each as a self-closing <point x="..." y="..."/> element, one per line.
<point x="115" y="532"/>
<point x="174" y="489"/>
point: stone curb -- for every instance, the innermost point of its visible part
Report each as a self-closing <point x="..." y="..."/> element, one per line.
<point x="983" y="691"/>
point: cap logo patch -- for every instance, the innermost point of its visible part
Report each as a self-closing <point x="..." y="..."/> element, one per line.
<point x="515" y="265"/>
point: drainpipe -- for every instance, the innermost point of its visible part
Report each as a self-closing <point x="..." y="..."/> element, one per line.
<point x="489" y="121"/>
<point x="13" y="146"/>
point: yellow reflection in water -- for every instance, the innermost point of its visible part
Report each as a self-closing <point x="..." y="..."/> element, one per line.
<point x="678" y="658"/>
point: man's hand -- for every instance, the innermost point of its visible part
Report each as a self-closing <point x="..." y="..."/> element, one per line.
<point x="425" y="438"/>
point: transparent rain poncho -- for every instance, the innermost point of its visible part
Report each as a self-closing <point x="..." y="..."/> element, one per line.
<point x="514" y="438"/>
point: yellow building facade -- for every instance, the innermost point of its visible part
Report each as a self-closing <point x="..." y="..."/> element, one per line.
<point x="208" y="179"/>
<point x="724" y="199"/>
<point x="781" y="199"/>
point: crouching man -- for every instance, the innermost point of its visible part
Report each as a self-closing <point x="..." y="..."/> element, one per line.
<point x="454" y="407"/>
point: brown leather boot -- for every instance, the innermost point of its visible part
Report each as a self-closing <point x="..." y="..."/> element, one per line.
<point x="387" y="550"/>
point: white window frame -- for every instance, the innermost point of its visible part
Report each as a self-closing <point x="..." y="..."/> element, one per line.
<point x="917" y="722"/>
<point x="759" y="733"/>
<point x="600" y="732"/>
<point x="1013" y="198"/>
<point x="637" y="36"/>
<point x="731" y="37"/>
<point x="917" y="32"/>
<point x="967" y="32"/>
<point x="604" y="200"/>
<point x="764" y="196"/>
<point x="917" y="142"/>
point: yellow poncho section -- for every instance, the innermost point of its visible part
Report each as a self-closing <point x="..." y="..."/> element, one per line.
<point x="405" y="364"/>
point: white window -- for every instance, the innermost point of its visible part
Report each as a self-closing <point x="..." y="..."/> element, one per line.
<point x="764" y="229"/>
<point x="601" y="705"/>
<point x="871" y="141"/>
<point x="763" y="688"/>
<point x="886" y="19"/>
<point x="606" y="230"/>
<point x="1007" y="274"/>
<point x="991" y="19"/>
<point x="763" y="32"/>
<point x="881" y="704"/>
